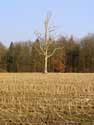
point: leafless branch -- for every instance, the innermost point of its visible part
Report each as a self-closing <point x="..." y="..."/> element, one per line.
<point x="54" y="52"/>
<point x="39" y="52"/>
<point x="42" y="49"/>
<point x="49" y="14"/>
<point x="51" y="29"/>
<point x="38" y="35"/>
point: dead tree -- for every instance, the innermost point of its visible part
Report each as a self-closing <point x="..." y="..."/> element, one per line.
<point x="47" y="42"/>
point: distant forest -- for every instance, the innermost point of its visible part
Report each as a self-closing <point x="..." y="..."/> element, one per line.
<point x="77" y="55"/>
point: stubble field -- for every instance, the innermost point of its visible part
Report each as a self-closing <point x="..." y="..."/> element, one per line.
<point x="46" y="99"/>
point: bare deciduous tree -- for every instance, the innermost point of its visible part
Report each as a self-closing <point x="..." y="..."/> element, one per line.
<point x="44" y="49"/>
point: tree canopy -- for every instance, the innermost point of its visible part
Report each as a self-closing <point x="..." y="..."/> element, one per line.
<point x="25" y="56"/>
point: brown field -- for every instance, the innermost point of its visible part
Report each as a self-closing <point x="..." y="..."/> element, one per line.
<point x="51" y="99"/>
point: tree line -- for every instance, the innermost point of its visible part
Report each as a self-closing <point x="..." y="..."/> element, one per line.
<point x="77" y="55"/>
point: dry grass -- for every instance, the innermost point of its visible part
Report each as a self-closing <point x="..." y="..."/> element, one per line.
<point x="51" y="99"/>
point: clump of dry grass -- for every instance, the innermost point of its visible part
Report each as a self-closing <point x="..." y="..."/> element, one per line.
<point x="51" y="99"/>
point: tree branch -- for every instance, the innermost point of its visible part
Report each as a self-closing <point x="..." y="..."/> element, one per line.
<point x="40" y="53"/>
<point x="42" y="49"/>
<point x="54" y="52"/>
<point x="39" y="37"/>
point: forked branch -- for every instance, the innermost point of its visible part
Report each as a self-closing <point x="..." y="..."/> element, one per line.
<point x="42" y="50"/>
<point x="39" y="52"/>
<point x="54" y="52"/>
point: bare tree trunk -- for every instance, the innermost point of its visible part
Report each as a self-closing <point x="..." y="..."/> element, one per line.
<point x="46" y="63"/>
<point x="46" y="44"/>
<point x="44" y="51"/>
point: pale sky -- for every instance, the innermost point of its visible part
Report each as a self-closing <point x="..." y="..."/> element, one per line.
<point x="19" y="19"/>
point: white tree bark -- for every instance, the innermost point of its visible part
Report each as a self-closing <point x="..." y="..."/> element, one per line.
<point x="46" y="43"/>
<point x="44" y="51"/>
<point x="46" y="61"/>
